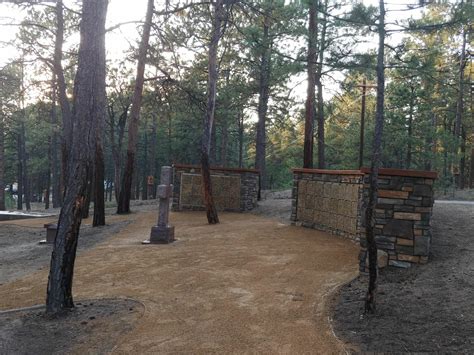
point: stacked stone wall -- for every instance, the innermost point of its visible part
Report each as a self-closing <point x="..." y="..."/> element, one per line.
<point x="233" y="189"/>
<point x="335" y="201"/>
<point x="402" y="216"/>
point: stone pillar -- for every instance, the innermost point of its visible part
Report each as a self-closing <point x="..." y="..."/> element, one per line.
<point x="163" y="233"/>
<point x="51" y="229"/>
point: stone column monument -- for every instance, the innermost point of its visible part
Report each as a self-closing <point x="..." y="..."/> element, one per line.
<point x="163" y="233"/>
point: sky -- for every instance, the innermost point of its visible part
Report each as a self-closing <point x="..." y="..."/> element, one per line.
<point x="120" y="11"/>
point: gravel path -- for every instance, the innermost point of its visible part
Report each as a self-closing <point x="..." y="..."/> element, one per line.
<point x="248" y="284"/>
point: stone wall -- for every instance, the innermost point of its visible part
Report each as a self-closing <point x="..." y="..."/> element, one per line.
<point x="335" y="201"/>
<point x="327" y="200"/>
<point x="402" y="216"/>
<point x="233" y="189"/>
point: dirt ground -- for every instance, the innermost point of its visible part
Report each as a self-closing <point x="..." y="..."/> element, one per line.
<point x="92" y="327"/>
<point x="461" y="195"/>
<point x="249" y="284"/>
<point x="428" y="308"/>
<point x="20" y="251"/>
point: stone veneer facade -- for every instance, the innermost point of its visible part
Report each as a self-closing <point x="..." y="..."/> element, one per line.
<point x="328" y="200"/>
<point x="321" y="200"/>
<point x="233" y="189"/>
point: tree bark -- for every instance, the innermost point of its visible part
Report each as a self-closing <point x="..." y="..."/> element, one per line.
<point x="48" y="173"/>
<point x="410" y="127"/>
<point x="19" y="165"/>
<point x="311" y="96"/>
<point x="445" y="157"/>
<point x="26" y="176"/>
<point x="152" y="166"/>
<point x="23" y="183"/>
<point x="460" y="101"/>
<point x="66" y="114"/>
<point x="264" y="94"/>
<point x="320" y="99"/>
<point x="55" y="182"/>
<point x="2" y="163"/>
<point x="240" y="122"/>
<point x="88" y="195"/>
<point x="116" y="146"/>
<point x="146" y="167"/>
<point x="126" y="184"/>
<point x="99" y="176"/>
<point x="374" y="170"/>
<point x="431" y="142"/>
<point x="224" y="143"/>
<point x="362" y="125"/>
<point x="471" y="174"/>
<point x="89" y="104"/>
<point x="213" y="146"/>
<point x="170" y="139"/>
<point x="99" y="171"/>
<point x="217" y="28"/>
<point x="462" y="162"/>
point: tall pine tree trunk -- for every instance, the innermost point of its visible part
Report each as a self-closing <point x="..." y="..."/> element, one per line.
<point x="320" y="98"/>
<point x="431" y="142"/>
<point x="23" y="181"/>
<point x="471" y="173"/>
<point x="55" y="174"/>
<point x="66" y="114"/>
<point x="320" y="116"/>
<point x="217" y="28"/>
<point x="88" y="195"/>
<point x="19" y="170"/>
<point x="26" y="176"/>
<point x="264" y="94"/>
<point x="89" y="106"/>
<point x="170" y="141"/>
<point x="126" y="183"/>
<point x="374" y="170"/>
<point x="240" y="122"/>
<point x="458" y="130"/>
<point x="410" y="127"/>
<point x="460" y="101"/>
<point x="462" y="163"/>
<point x="116" y="147"/>
<point x="311" y="96"/>
<point x="48" y="174"/>
<point x="213" y="150"/>
<point x="146" y="167"/>
<point x="152" y="166"/>
<point x="224" y="143"/>
<point x="2" y="163"/>
<point x="99" y="173"/>
<point x="99" y="176"/>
